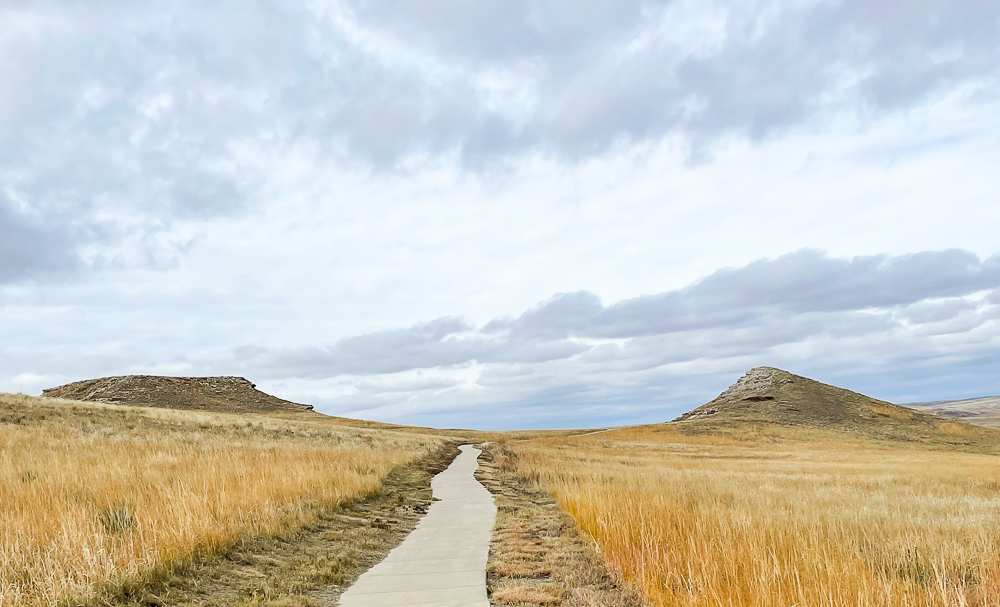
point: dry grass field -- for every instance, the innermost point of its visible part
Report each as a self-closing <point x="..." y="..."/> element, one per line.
<point x="780" y="516"/>
<point x="782" y="491"/>
<point x="97" y="494"/>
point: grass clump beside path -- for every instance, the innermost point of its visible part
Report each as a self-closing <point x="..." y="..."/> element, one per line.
<point x="780" y="517"/>
<point x="96" y="495"/>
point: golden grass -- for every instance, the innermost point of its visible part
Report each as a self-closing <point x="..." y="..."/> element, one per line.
<point x="96" y="494"/>
<point x="775" y="518"/>
<point x="525" y="596"/>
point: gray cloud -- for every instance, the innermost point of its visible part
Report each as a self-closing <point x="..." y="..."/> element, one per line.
<point x="29" y="247"/>
<point x="610" y="71"/>
<point x="439" y="343"/>
<point x="775" y="70"/>
<point x="937" y="311"/>
<point x="732" y="313"/>
<point x="495" y="30"/>
<point x="801" y="282"/>
<point x="752" y="339"/>
<point x="382" y="352"/>
<point x="161" y="94"/>
<point x="128" y="118"/>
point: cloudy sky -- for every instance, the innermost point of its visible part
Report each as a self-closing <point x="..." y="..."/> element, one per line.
<point x="502" y="214"/>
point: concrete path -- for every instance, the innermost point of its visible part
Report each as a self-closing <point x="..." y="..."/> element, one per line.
<point x="442" y="563"/>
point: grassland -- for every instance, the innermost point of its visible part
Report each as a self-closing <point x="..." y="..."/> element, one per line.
<point x="777" y="516"/>
<point x="741" y="503"/>
<point x="96" y="495"/>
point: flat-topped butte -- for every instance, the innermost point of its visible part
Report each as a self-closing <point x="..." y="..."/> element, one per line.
<point x="226" y="394"/>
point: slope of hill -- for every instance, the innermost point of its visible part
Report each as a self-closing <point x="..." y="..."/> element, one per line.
<point x="765" y="395"/>
<point x="221" y="394"/>
<point x="984" y="411"/>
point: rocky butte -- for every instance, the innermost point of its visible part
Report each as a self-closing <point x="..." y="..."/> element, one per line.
<point x="224" y="394"/>
<point x="765" y="395"/>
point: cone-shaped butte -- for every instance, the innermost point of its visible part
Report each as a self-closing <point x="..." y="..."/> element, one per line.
<point x="765" y="395"/>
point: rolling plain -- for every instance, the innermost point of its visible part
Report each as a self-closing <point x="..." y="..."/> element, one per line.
<point x="782" y="491"/>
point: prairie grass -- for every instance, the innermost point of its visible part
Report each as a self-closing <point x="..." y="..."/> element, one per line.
<point x="94" y="495"/>
<point x="780" y="517"/>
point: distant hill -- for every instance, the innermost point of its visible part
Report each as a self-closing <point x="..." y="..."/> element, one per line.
<point x="221" y="394"/>
<point x="984" y="411"/>
<point x="765" y="395"/>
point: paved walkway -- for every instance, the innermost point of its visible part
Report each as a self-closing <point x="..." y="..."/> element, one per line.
<point x="443" y="562"/>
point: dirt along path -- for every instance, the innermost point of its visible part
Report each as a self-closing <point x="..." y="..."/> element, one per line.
<point x="443" y="562"/>
<point x="538" y="556"/>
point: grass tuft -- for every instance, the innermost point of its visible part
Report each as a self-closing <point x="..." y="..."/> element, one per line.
<point x="117" y="519"/>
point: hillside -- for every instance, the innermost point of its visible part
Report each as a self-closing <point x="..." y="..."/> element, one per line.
<point x="765" y="395"/>
<point x="984" y="411"/>
<point x="219" y="394"/>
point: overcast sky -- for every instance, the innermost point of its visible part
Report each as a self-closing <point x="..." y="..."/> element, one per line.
<point x="502" y="214"/>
